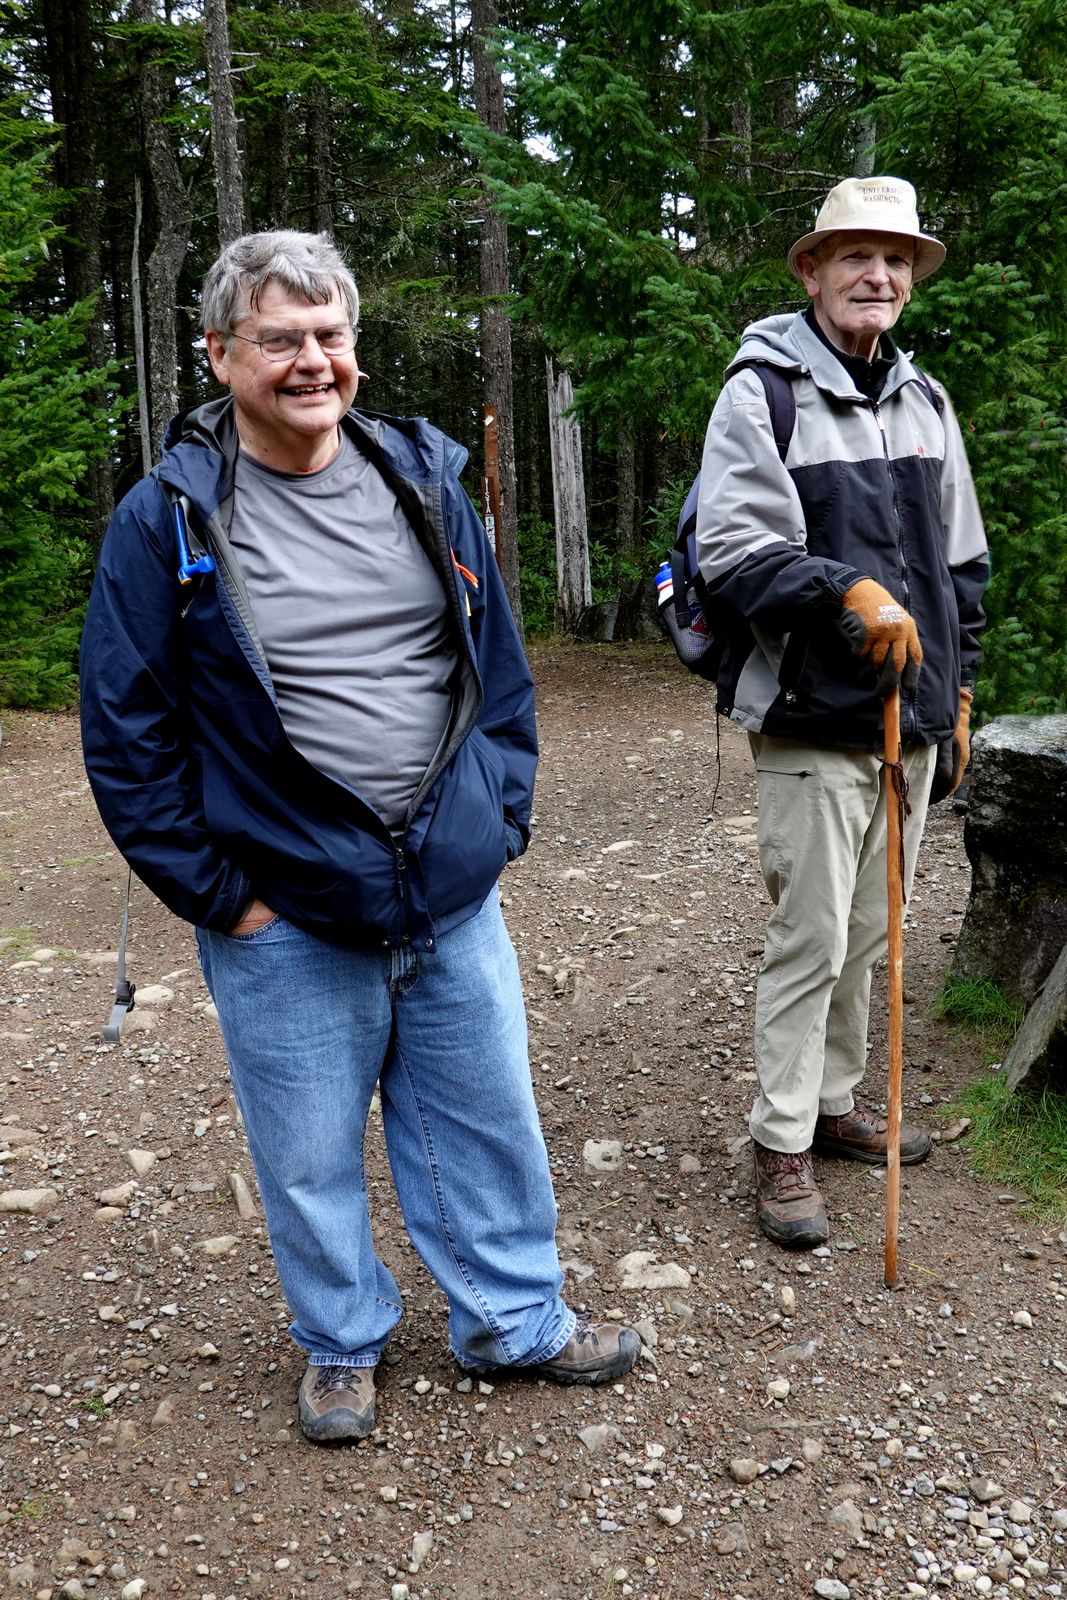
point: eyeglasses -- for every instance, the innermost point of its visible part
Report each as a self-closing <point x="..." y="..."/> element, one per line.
<point x="285" y="344"/>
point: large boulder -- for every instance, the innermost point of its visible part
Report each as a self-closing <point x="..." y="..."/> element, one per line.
<point x="1016" y="840"/>
<point x="1038" y="1057"/>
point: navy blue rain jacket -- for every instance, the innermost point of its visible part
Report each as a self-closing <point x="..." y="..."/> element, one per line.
<point x="195" y="778"/>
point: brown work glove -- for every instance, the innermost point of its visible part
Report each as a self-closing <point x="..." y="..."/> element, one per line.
<point x="953" y="755"/>
<point x="883" y="634"/>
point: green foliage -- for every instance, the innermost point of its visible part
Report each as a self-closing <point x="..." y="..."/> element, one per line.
<point x="665" y="154"/>
<point x="976" y="116"/>
<point x="660" y="156"/>
<point x="537" y="574"/>
<point x="979" y="1005"/>
<point x="609" y="573"/>
<point x="48" y="434"/>
<point x="356" y="104"/>
<point x="662" y="519"/>
<point x="1020" y="1139"/>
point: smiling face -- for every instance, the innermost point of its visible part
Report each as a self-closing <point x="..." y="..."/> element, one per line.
<point x="859" y="283"/>
<point x="287" y="411"/>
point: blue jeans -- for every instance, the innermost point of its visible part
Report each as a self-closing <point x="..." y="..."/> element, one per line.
<point x="310" y="1028"/>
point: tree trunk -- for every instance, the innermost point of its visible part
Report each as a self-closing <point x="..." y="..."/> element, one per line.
<point x="172" y="240"/>
<point x="225" y="148"/>
<point x="71" y="61"/>
<point x="866" y="138"/>
<point x="574" y="590"/>
<point x="276" y="152"/>
<point x="497" y="382"/>
<point x="320" y="163"/>
<point x="138" y="332"/>
<point x="701" y="224"/>
<point x="531" y="455"/>
<point x="626" y="497"/>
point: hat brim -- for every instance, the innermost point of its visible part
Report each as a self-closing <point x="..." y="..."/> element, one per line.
<point x="929" y="252"/>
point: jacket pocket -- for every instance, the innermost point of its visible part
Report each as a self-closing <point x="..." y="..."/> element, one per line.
<point x="467" y="843"/>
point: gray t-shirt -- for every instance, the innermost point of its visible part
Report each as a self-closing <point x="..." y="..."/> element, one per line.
<point x="353" y="621"/>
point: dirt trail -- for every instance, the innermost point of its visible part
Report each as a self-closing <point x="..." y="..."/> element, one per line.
<point x="896" y="1444"/>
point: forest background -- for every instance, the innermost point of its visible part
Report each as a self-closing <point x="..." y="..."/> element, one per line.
<point x="608" y="184"/>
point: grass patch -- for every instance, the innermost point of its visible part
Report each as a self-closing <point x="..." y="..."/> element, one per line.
<point x="1020" y="1139"/>
<point x="1015" y="1139"/>
<point x="978" y="1005"/>
<point x="17" y="942"/>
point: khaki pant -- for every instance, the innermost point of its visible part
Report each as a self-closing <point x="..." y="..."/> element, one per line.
<point x="821" y="833"/>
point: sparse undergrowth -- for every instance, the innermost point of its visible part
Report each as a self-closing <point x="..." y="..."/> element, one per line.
<point x="980" y="1006"/>
<point x="1020" y="1139"/>
<point x="1015" y="1138"/>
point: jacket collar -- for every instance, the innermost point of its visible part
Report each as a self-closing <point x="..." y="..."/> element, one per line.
<point x="830" y="370"/>
<point x="200" y="450"/>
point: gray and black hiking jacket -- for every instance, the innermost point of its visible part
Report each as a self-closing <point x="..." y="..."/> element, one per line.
<point x="868" y="489"/>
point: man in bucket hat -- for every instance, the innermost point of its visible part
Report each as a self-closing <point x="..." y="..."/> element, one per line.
<point x="851" y="552"/>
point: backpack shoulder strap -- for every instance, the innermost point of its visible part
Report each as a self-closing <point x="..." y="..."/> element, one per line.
<point x="935" y="399"/>
<point x="782" y="405"/>
<point x="193" y="559"/>
<point x="781" y="401"/>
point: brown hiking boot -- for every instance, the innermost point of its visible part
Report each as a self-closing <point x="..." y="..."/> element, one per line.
<point x="860" y="1135"/>
<point x="594" y="1353"/>
<point x="337" y="1403"/>
<point x="789" y="1207"/>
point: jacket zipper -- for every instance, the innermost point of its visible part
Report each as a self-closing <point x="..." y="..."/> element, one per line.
<point x="445" y="563"/>
<point x="908" y="708"/>
<point x="402" y="889"/>
<point x="398" y="850"/>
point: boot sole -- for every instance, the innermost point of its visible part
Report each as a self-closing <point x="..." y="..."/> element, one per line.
<point x="617" y="1367"/>
<point x="338" y="1427"/>
<point x="793" y="1236"/>
<point x="591" y="1376"/>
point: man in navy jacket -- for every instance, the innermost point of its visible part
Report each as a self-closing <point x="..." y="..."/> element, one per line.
<point x="309" y="726"/>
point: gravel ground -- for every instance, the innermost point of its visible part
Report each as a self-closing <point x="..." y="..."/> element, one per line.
<point x="792" y="1428"/>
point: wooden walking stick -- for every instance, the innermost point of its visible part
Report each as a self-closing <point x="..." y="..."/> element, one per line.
<point x="896" y="791"/>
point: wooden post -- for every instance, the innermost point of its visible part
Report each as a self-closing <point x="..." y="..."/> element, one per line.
<point x="894" y="861"/>
<point x="574" y="590"/>
<point x="491" y="484"/>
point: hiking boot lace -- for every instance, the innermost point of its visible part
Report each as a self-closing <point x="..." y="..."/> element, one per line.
<point x="794" y="1165"/>
<point x="332" y="1379"/>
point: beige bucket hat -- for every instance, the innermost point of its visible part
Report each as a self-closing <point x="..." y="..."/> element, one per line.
<point x="873" y="205"/>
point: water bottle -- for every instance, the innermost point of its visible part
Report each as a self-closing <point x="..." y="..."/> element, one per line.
<point x="664" y="584"/>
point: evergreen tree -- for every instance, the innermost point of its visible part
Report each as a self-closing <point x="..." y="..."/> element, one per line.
<point x="976" y="117"/>
<point x="49" y="434"/>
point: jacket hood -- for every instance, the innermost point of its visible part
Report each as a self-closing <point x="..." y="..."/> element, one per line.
<point x="787" y="342"/>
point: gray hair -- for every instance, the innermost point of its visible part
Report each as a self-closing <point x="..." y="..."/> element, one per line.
<point x="308" y="264"/>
